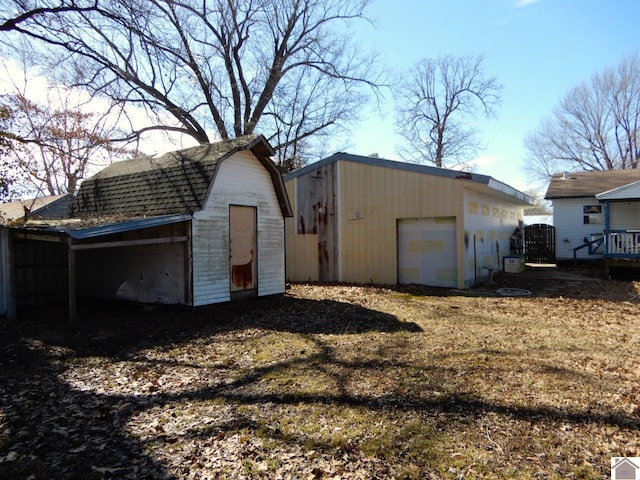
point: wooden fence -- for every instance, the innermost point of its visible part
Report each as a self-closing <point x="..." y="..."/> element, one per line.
<point x="540" y="243"/>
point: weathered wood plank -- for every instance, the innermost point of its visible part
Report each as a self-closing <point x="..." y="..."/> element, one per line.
<point x="129" y="243"/>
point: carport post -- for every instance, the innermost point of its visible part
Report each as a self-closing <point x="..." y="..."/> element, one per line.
<point x="72" y="282"/>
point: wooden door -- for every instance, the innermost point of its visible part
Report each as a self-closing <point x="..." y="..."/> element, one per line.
<point x="242" y="248"/>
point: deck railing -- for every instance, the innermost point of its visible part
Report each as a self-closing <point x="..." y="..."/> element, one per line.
<point x="622" y="243"/>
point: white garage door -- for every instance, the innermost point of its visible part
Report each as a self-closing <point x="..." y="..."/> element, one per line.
<point x="427" y="251"/>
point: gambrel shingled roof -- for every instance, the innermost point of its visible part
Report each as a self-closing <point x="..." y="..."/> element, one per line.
<point x="177" y="182"/>
<point x="588" y="184"/>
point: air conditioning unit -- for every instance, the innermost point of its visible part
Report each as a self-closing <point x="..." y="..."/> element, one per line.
<point x="513" y="264"/>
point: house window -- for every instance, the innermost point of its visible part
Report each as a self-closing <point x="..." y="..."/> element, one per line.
<point x="592" y="214"/>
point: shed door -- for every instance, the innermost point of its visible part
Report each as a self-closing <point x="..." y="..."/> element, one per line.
<point x="427" y="251"/>
<point x="242" y="247"/>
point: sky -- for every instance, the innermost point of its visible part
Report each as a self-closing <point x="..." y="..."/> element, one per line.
<point x="537" y="49"/>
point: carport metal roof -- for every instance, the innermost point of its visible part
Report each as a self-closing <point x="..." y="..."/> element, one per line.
<point x="79" y="229"/>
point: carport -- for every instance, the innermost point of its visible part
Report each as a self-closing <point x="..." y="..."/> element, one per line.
<point x="55" y="262"/>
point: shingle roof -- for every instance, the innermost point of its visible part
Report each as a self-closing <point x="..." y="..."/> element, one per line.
<point x="177" y="182"/>
<point x="588" y="184"/>
<point x="13" y="210"/>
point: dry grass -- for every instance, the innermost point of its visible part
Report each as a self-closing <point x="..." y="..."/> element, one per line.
<point x="332" y="382"/>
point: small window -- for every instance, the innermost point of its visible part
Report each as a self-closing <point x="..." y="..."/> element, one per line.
<point x="592" y="214"/>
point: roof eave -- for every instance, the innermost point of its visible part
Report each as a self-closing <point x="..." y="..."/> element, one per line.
<point x="101" y="229"/>
<point x="519" y="197"/>
<point x="472" y="178"/>
<point x="263" y="151"/>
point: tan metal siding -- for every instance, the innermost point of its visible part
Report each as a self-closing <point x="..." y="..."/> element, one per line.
<point x="240" y="180"/>
<point x="371" y="199"/>
<point x="302" y="250"/>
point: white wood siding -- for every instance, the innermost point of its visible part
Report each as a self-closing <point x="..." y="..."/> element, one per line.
<point x="240" y="180"/>
<point x="626" y="192"/>
<point x="570" y="229"/>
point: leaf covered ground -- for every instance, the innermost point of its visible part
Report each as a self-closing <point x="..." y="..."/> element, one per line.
<point x="330" y="382"/>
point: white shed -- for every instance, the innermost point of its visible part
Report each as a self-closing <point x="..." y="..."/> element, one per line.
<point x="193" y="227"/>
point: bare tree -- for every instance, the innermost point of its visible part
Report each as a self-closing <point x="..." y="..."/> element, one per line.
<point x="435" y="104"/>
<point x="52" y="146"/>
<point x="24" y="10"/>
<point x="9" y="170"/>
<point x="220" y="68"/>
<point x="596" y="126"/>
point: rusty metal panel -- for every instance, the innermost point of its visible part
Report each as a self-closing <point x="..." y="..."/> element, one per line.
<point x="316" y="215"/>
<point x="242" y="246"/>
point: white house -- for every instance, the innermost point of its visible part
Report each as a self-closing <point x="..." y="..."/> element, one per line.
<point x="596" y="214"/>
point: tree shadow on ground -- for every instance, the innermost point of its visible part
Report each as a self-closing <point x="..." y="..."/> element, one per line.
<point x="53" y="430"/>
<point x="116" y="329"/>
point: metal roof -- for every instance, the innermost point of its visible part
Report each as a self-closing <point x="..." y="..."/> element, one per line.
<point x="84" y="229"/>
<point x="382" y="162"/>
<point x="476" y="178"/>
<point x="126" y="226"/>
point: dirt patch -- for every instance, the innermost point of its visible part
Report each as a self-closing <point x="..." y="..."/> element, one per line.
<point x="331" y="381"/>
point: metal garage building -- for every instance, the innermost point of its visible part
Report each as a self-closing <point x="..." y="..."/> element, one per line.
<point x="369" y="220"/>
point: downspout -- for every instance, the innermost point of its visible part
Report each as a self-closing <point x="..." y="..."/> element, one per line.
<point x="475" y="263"/>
